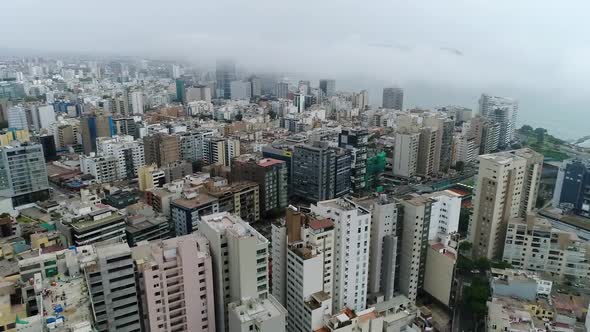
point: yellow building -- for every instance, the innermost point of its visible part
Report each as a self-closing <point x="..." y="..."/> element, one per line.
<point x="8" y="310"/>
<point x="22" y="136"/>
<point x="149" y="176"/>
<point x="41" y="240"/>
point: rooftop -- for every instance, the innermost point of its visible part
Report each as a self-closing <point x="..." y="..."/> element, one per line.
<point x="196" y="202"/>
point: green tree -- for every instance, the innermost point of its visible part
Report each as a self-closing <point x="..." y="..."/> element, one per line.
<point x="460" y="166"/>
<point x="465" y="246"/>
<point x="272" y="114"/>
<point x="501" y="265"/>
<point x="476" y="295"/>
<point x="526" y="129"/>
<point x="482" y="264"/>
<point x="239" y="116"/>
<point x="464" y="218"/>
<point x="540" y="202"/>
<point x="464" y="264"/>
<point x="540" y="133"/>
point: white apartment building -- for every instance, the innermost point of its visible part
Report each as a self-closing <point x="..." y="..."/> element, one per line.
<point x="103" y="168"/>
<point x="405" y="154"/>
<point x="414" y="244"/>
<point x="464" y="149"/>
<point x="45" y="117"/>
<point x="129" y="153"/>
<point x="383" y="245"/>
<point x="533" y="244"/>
<point x="263" y="315"/>
<point x="352" y="229"/>
<point x="17" y="118"/>
<point x="501" y="110"/>
<point x="445" y="211"/>
<point x="506" y="187"/>
<point x="240" y="262"/>
<point x="137" y="100"/>
<point x="303" y="265"/>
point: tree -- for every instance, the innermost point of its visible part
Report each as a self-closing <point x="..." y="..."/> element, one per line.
<point x="540" y="133"/>
<point x="197" y="165"/>
<point x="239" y="116"/>
<point x="272" y="114"/>
<point x="476" y="295"/>
<point x="482" y="264"/>
<point x="501" y="265"/>
<point x="465" y="246"/>
<point x="526" y="129"/>
<point x="460" y="166"/>
<point x="464" y="218"/>
<point x="540" y="202"/>
<point x="464" y="264"/>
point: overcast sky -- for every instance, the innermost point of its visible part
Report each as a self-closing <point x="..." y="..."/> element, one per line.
<point x="440" y="51"/>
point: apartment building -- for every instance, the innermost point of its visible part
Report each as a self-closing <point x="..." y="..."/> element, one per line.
<point x="175" y="278"/>
<point x="352" y="230"/>
<point x="240" y="262"/>
<point x="531" y="243"/>
<point x="506" y="187"/>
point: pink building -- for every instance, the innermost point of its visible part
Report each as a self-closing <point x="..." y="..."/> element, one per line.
<point x="176" y="284"/>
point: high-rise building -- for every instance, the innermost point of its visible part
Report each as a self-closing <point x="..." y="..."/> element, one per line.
<point x="240" y="198"/>
<point x="405" y="158"/>
<point x="104" y="169"/>
<point x="240" y="263"/>
<point x="45" y="117"/>
<point x="175" y="278"/>
<point x="445" y="211"/>
<point x="356" y="140"/>
<point x="570" y="191"/>
<point x="225" y="73"/>
<point x="126" y="126"/>
<point x="532" y="243"/>
<point x="192" y="144"/>
<point x="271" y="176"/>
<point x="303" y="243"/>
<point x="428" y="152"/>
<point x="220" y="151"/>
<point x="385" y="239"/>
<point x="180" y="90"/>
<point x="161" y="149"/>
<point x="281" y="90"/>
<point x="393" y="98"/>
<point x="128" y="152"/>
<point x="17" y="118"/>
<point x="198" y="93"/>
<point x="360" y="100"/>
<point x="414" y="243"/>
<point x="23" y="174"/>
<point x="328" y="87"/>
<point x="352" y="230"/>
<point x="112" y="288"/>
<point x="304" y="87"/>
<point x="320" y="171"/>
<point x="256" y="86"/>
<point x="137" y="100"/>
<point x="92" y="127"/>
<point x="240" y="90"/>
<point x="187" y="211"/>
<point x="506" y="187"/>
<point x="264" y="315"/>
<point x="501" y="110"/>
<point x="49" y="148"/>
